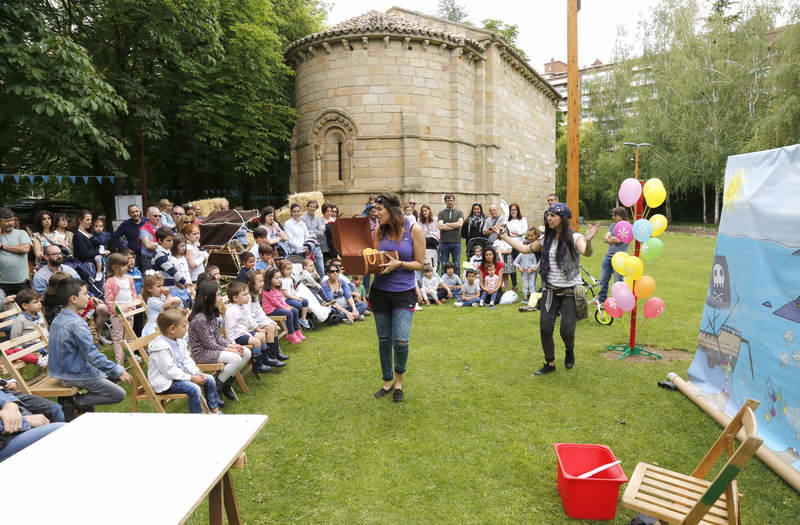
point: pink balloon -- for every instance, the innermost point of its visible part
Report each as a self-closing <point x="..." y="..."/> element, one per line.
<point x="623" y="231"/>
<point x="611" y="308"/>
<point x="625" y="299"/>
<point x="653" y="307"/>
<point x="629" y="192"/>
<point x="619" y="287"/>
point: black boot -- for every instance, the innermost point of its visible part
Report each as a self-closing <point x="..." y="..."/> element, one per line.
<point x="227" y="389"/>
<point x="259" y="367"/>
<point x="569" y="359"/>
<point x="220" y="388"/>
<point x="272" y="356"/>
<point x="280" y="355"/>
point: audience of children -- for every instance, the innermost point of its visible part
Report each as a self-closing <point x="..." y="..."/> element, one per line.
<point x="119" y="288"/>
<point x="273" y="304"/>
<point x="471" y="290"/>
<point x="74" y="357"/>
<point x="30" y="302"/>
<point x="171" y="369"/>
<point x="490" y="286"/>
<point x="155" y="298"/>
<point x="240" y="327"/>
<point x="206" y="342"/>
<point x="290" y="294"/>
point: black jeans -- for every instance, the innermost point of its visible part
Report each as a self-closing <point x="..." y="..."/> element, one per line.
<point x="551" y="304"/>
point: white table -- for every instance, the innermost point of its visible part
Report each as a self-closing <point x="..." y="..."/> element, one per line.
<point x="142" y="469"/>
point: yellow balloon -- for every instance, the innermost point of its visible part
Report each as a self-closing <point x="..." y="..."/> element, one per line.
<point x="654" y="192"/>
<point x="644" y="287"/>
<point x="634" y="267"/>
<point x="630" y="282"/>
<point x="618" y="262"/>
<point x="659" y="223"/>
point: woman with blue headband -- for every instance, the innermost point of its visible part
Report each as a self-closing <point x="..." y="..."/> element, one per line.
<point x="561" y="250"/>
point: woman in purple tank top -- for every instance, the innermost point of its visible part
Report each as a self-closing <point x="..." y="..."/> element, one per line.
<point x="393" y="296"/>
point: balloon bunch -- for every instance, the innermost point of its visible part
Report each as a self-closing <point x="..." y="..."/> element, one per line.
<point x="637" y="285"/>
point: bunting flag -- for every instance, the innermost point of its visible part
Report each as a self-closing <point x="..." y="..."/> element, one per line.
<point x="46" y="178"/>
<point x="111" y="178"/>
<point x="30" y="178"/>
<point x="72" y="178"/>
<point x="2" y="178"/>
<point x="85" y="179"/>
<point x="59" y="177"/>
<point x="99" y="179"/>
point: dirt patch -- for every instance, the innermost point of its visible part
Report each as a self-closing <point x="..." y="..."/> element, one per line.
<point x="667" y="355"/>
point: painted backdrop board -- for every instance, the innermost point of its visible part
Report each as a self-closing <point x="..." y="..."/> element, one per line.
<point x="749" y="340"/>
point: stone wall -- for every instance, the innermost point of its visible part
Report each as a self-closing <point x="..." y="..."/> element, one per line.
<point x="420" y="117"/>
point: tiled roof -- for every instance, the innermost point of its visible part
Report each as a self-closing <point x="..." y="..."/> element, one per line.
<point x="377" y="22"/>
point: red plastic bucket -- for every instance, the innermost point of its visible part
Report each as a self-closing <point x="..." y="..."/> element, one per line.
<point x="593" y="498"/>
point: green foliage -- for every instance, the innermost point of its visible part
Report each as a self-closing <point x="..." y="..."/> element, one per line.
<point x="53" y="100"/>
<point x="452" y="10"/>
<point x="201" y="85"/>
<point x="473" y="442"/>
<point x="509" y="31"/>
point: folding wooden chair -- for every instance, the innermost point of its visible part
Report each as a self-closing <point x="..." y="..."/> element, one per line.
<point x="141" y="390"/>
<point x="680" y="499"/>
<point x="7" y="317"/>
<point x="281" y="320"/>
<point x="130" y="309"/>
<point x="43" y="385"/>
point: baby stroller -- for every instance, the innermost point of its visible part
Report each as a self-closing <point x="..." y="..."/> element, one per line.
<point x="86" y="271"/>
<point x="590" y="283"/>
<point x="483" y="242"/>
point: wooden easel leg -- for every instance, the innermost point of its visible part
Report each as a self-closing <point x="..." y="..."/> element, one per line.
<point x="231" y="506"/>
<point x="215" y="505"/>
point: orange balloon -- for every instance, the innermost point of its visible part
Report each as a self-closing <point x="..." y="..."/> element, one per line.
<point x="644" y="287"/>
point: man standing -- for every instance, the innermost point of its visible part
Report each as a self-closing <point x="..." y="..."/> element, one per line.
<point x="127" y="235"/>
<point x="552" y="198"/>
<point x="177" y="213"/>
<point x="55" y="263"/>
<point x="316" y="228"/>
<point x="147" y="238"/>
<point x="450" y="221"/>
<point x="494" y="219"/>
<point x="614" y="246"/>
<point x="14" y="248"/>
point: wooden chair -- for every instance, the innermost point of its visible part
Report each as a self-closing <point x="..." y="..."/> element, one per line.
<point x="680" y="499"/>
<point x="43" y="385"/>
<point x="7" y="317"/>
<point x="132" y="308"/>
<point x="281" y="320"/>
<point x="141" y="390"/>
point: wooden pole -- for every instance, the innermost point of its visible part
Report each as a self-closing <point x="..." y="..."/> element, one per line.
<point x="573" y="112"/>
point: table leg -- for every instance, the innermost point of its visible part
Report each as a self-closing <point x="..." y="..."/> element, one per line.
<point x="215" y="504"/>
<point x="231" y="506"/>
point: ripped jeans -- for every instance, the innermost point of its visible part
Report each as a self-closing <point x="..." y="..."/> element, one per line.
<point x="394" y="331"/>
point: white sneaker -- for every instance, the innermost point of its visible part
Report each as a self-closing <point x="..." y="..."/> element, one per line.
<point x="360" y="317"/>
<point x="475" y="305"/>
<point x="367" y="312"/>
<point x="458" y="303"/>
<point x="98" y="276"/>
<point x="481" y="303"/>
<point x="42" y="362"/>
<point x="417" y="308"/>
<point x="105" y="341"/>
<point x="347" y="320"/>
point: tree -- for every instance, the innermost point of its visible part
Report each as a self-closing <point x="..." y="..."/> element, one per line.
<point x="452" y="11"/>
<point x="53" y="100"/>
<point x="508" y="31"/>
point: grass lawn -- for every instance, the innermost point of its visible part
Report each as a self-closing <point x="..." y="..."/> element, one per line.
<point x="473" y="442"/>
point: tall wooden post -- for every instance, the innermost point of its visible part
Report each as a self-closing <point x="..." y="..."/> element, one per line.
<point x="573" y="111"/>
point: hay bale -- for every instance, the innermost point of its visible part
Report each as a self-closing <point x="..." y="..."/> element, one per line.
<point x="208" y="205"/>
<point x="282" y="214"/>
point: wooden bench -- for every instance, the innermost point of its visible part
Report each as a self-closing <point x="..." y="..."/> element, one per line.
<point x="691" y="499"/>
<point x="43" y="385"/>
<point x="141" y="389"/>
<point x="7" y="317"/>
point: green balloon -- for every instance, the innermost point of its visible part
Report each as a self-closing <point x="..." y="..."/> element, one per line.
<point x="652" y="249"/>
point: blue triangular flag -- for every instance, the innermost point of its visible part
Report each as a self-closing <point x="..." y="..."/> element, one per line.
<point x="99" y="179"/>
<point x="85" y="179"/>
<point x="59" y="177"/>
<point x="31" y="177"/>
<point x="2" y="178"/>
<point x="46" y="178"/>
<point x="112" y="180"/>
<point x="16" y="178"/>
<point x="72" y="178"/>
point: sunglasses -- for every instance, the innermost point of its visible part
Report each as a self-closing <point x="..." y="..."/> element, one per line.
<point x="380" y="199"/>
<point x="333" y="271"/>
<point x="157" y="215"/>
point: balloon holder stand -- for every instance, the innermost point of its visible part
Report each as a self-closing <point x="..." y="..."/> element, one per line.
<point x="628" y="351"/>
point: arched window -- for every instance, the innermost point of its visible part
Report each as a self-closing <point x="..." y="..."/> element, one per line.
<point x="335" y="164"/>
<point x="333" y="135"/>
